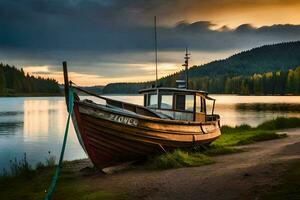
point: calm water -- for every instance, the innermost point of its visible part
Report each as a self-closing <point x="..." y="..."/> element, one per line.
<point x="35" y="125"/>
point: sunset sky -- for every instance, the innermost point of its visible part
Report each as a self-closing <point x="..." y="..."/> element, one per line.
<point x="107" y="41"/>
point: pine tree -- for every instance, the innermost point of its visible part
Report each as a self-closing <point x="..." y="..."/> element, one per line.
<point x="2" y="80"/>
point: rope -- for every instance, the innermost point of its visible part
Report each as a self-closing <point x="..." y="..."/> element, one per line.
<point x="59" y="166"/>
<point x="90" y="93"/>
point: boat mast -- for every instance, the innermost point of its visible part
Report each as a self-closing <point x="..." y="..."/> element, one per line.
<point x="66" y="82"/>
<point x="155" y="48"/>
<point x="186" y="65"/>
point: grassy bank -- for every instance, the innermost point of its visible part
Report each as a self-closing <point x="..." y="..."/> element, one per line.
<point x="178" y="159"/>
<point x="24" y="182"/>
<point x="245" y="134"/>
<point x="71" y="186"/>
<point x="231" y="137"/>
<point x="235" y="136"/>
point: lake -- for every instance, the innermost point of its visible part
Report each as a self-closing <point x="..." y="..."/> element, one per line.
<point x="35" y="125"/>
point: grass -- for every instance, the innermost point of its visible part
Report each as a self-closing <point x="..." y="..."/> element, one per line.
<point x="18" y="168"/>
<point x="21" y="167"/>
<point x="71" y="186"/>
<point x="215" y="150"/>
<point x="178" y="159"/>
<point x="24" y="182"/>
<point x="225" y="144"/>
<point x="246" y="137"/>
<point x="245" y="134"/>
<point x="280" y="123"/>
<point x="288" y="187"/>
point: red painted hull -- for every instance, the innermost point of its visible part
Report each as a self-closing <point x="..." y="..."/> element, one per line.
<point x="110" y="137"/>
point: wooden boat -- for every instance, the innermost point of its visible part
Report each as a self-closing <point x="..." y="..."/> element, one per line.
<point x="116" y="131"/>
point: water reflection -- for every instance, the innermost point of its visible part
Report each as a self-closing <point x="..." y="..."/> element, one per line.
<point x="237" y="110"/>
<point x="35" y="125"/>
<point x="10" y="113"/>
<point x="8" y="128"/>
<point x="36" y="119"/>
<point x="293" y="107"/>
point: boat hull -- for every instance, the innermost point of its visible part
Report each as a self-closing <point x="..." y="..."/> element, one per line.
<point x="110" y="137"/>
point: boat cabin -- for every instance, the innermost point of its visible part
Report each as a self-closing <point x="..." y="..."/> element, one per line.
<point x="179" y="104"/>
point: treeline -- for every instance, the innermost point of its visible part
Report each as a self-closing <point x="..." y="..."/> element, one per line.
<point x="14" y="82"/>
<point x="270" y="83"/>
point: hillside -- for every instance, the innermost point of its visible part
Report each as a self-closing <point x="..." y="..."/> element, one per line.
<point x="212" y="76"/>
<point x="14" y="82"/>
<point x="268" y="58"/>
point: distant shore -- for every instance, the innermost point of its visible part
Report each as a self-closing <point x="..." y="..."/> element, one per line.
<point x="33" y="95"/>
<point x="114" y="94"/>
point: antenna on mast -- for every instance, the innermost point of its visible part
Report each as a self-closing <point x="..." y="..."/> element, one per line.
<point x="186" y="65"/>
<point x="183" y="81"/>
<point x="155" y="46"/>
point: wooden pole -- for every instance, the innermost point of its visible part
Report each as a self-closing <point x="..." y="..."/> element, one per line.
<point x="187" y="68"/>
<point x="186" y="65"/>
<point x="66" y="81"/>
<point x="155" y="41"/>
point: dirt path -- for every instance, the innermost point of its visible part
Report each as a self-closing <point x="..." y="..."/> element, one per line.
<point x="236" y="176"/>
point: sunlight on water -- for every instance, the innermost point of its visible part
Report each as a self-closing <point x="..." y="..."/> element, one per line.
<point x="226" y="107"/>
<point x="35" y="125"/>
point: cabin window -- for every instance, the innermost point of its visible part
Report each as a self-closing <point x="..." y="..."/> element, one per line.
<point x="180" y="102"/>
<point x="200" y="104"/>
<point x="152" y="101"/>
<point x="185" y="102"/>
<point x="166" y="102"/>
<point x="189" y="102"/>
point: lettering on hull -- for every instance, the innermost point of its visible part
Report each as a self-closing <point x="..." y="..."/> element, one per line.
<point x="110" y="116"/>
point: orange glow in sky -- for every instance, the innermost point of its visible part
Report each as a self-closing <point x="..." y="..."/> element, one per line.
<point x="233" y="13"/>
<point x="229" y="13"/>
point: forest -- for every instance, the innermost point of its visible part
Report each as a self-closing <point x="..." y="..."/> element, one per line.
<point x="267" y="70"/>
<point x="269" y="83"/>
<point x="14" y="82"/>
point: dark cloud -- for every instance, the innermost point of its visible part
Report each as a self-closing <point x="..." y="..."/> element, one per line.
<point x="108" y="26"/>
<point x="85" y="30"/>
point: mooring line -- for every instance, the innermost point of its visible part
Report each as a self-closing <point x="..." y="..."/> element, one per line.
<point x="59" y="166"/>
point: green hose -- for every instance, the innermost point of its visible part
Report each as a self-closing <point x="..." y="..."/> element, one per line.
<point x="58" y="167"/>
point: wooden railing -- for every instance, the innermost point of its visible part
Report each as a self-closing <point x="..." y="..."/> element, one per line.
<point x="141" y="110"/>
